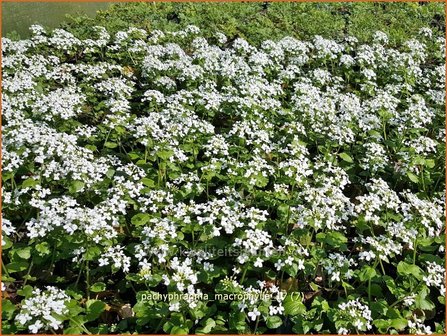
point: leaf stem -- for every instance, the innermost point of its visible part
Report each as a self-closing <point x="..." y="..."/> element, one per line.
<point x="87" y="279"/>
<point x="28" y="273"/>
<point x="256" y="325"/>
<point x="243" y="274"/>
<point x="81" y="325"/>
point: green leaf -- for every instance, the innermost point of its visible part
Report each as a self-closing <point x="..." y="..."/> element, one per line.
<point x="421" y="302"/>
<point x="346" y="157"/>
<point x="75" y="186"/>
<point x="261" y="181"/>
<point x="379" y="307"/>
<point x="8" y="309"/>
<point x="73" y="330"/>
<point x="335" y="238"/>
<point x="273" y="322"/>
<point x="29" y="183"/>
<point x="208" y="325"/>
<point x="321" y="303"/>
<point x="321" y="236"/>
<point x="282" y="210"/>
<point x="292" y="270"/>
<point x="6" y="243"/>
<point x="391" y="285"/>
<point x="77" y="320"/>
<point x="393" y="313"/>
<point x="17" y="266"/>
<point x="237" y="321"/>
<point x="94" y="309"/>
<point x="92" y="253"/>
<point x="167" y="327"/>
<point x="399" y="323"/>
<point x="166" y="154"/>
<point x="424" y="304"/>
<point x="24" y="253"/>
<point x="430" y="163"/>
<point x="179" y="330"/>
<point x="140" y="219"/>
<point x="413" y="177"/>
<point x="98" y="287"/>
<point x="25" y="291"/>
<point x="293" y="305"/>
<point x="110" y="173"/>
<point x="43" y="248"/>
<point x="110" y="145"/>
<point x="367" y="273"/>
<point x="404" y="268"/>
<point x="148" y="182"/>
<point x="93" y="148"/>
<point x="382" y="324"/>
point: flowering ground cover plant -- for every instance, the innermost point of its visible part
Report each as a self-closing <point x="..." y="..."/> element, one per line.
<point x="161" y="182"/>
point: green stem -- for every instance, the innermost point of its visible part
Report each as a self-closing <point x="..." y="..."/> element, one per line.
<point x="369" y="280"/>
<point x="288" y="209"/>
<point x="423" y="179"/>
<point x="159" y="325"/>
<point x="28" y="273"/>
<point x="82" y="326"/>
<point x="414" y="251"/>
<point x="79" y="274"/>
<point x="53" y="257"/>
<point x="207" y="189"/>
<point x="107" y="138"/>
<point x="193" y="238"/>
<point x="243" y="275"/>
<point x="381" y="266"/>
<point x="256" y="325"/>
<point x="396" y="302"/>
<point x="12" y="183"/>
<point x="5" y="269"/>
<point x="87" y="279"/>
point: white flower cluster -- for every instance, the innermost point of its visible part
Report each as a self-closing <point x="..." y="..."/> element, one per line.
<point x="43" y="310"/>
<point x="255" y="297"/>
<point x="115" y="256"/>
<point x="7" y="229"/>
<point x="356" y="315"/>
<point x="163" y="140"/>
<point x="419" y="328"/>
<point x="339" y="266"/>
<point x="435" y="276"/>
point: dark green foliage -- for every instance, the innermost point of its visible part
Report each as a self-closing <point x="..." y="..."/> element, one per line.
<point x="256" y="22"/>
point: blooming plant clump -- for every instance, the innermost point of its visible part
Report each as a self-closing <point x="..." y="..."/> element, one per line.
<point x="161" y="182"/>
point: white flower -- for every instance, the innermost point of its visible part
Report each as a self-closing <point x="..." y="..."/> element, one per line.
<point x="342" y="331"/>
<point x="367" y="255"/>
<point x="335" y="276"/>
<point x="34" y="328"/>
<point x="253" y="315"/>
<point x="174" y="307"/>
<point x="258" y="262"/>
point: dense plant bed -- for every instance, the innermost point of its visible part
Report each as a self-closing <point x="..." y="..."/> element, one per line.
<point x="258" y="21"/>
<point x="294" y="187"/>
